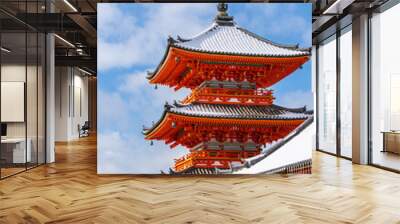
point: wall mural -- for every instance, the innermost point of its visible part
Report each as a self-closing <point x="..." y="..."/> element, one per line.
<point x="220" y="100"/>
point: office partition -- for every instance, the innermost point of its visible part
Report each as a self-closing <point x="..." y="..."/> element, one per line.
<point x="22" y="78"/>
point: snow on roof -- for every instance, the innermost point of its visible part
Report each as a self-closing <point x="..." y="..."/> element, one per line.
<point x="234" y="40"/>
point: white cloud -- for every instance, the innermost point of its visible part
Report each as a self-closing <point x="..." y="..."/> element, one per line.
<point x="112" y="21"/>
<point x="122" y="147"/>
<point x="143" y="44"/>
<point x="119" y="154"/>
<point x="133" y="83"/>
<point x="112" y="111"/>
<point x="124" y="41"/>
<point x="143" y="98"/>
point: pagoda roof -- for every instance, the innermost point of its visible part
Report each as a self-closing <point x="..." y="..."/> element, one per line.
<point x="225" y="42"/>
<point x="231" y="39"/>
<point x="233" y="111"/>
<point x="271" y="112"/>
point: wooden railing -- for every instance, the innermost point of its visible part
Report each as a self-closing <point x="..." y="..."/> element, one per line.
<point x="231" y="96"/>
<point x="212" y="159"/>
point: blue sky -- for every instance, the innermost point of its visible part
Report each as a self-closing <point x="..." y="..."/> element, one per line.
<point x="132" y="39"/>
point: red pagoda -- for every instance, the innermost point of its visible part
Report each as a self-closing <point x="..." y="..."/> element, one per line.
<point x="230" y="115"/>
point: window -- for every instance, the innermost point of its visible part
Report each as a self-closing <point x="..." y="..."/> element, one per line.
<point x="327" y="95"/>
<point x="346" y="92"/>
<point x="385" y="89"/>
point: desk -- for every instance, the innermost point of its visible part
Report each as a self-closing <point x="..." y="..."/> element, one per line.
<point x="391" y="141"/>
<point x="13" y="150"/>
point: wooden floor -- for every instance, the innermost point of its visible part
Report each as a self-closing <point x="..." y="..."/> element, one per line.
<point x="387" y="159"/>
<point x="5" y="172"/>
<point x="70" y="191"/>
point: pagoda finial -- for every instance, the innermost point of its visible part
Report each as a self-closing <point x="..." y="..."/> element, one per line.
<point x="222" y="9"/>
<point x="222" y="17"/>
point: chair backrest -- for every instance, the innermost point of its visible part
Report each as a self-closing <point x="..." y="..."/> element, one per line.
<point x="86" y="124"/>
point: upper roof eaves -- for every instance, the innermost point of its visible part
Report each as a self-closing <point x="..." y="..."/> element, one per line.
<point x="234" y="40"/>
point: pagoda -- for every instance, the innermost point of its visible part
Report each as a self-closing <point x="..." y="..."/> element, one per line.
<point x="229" y="115"/>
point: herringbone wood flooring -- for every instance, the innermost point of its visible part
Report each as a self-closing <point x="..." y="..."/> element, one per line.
<point x="70" y="191"/>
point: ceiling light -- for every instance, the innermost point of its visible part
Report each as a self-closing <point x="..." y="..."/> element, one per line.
<point x="70" y="5"/>
<point x="337" y="7"/>
<point x="5" y="50"/>
<point x="64" y="40"/>
<point x="80" y="51"/>
<point x="84" y="71"/>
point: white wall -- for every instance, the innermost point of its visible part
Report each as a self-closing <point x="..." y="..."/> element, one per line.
<point x="12" y="73"/>
<point x="33" y="125"/>
<point x="17" y="73"/>
<point x="71" y="102"/>
<point x="80" y="110"/>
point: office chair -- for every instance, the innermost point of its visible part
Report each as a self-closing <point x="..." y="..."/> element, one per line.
<point x="84" y="130"/>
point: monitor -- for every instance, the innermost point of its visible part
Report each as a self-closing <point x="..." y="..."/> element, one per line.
<point x="3" y="129"/>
